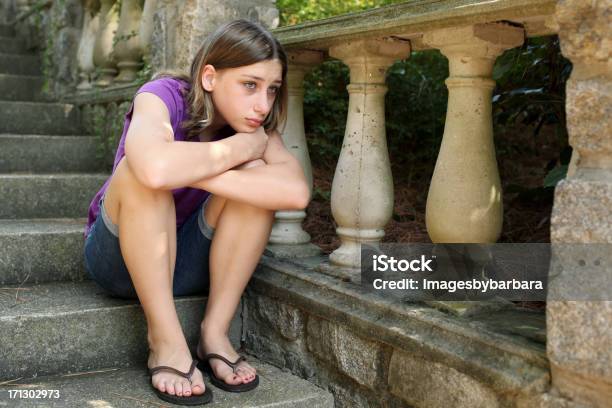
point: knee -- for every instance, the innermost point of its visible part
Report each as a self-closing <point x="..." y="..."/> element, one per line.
<point x="249" y="210"/>
<point x="130" y="186"/>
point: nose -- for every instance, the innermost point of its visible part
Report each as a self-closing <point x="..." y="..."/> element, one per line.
<point x="262" y="103"/>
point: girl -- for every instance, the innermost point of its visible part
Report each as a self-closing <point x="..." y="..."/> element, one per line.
<point x="199" y="171"/>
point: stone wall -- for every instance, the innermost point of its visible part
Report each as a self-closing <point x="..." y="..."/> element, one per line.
<point x="181" y="26"/>
<point x="332" y="356"/>
<point x="370" y="352"/>
<point x="579" y="332"/>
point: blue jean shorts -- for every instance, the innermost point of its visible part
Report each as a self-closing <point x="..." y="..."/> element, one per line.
<point x="105" y="265"/>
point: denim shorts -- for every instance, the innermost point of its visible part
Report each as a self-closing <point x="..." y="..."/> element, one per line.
<point x="105" y="265"/>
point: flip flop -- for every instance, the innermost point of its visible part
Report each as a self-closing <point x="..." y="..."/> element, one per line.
<point x="219" y="383"/>
<point x="199" y="399"/>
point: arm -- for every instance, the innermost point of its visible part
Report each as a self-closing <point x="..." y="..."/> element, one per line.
<point x="160" y="162"/>
<point x="280" y="184"/>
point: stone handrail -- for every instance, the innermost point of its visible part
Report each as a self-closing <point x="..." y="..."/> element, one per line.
<point x="464" y="201"/>
<point x="411" y="19"/>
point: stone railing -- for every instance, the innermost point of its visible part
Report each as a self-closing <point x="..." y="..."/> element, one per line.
<point x="464" y="202"/>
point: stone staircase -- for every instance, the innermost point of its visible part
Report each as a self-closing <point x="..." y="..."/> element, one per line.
<point x="59" y="330"/>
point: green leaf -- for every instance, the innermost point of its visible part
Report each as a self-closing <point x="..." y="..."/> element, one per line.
<point x="555" y="175"/>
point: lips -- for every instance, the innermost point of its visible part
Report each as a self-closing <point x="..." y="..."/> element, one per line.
<point x="255" y="121"/>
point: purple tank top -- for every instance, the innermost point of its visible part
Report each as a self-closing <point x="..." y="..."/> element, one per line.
<point x="186" y="200"/>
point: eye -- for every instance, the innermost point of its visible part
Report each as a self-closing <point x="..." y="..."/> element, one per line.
<point x="250" y="85"/>
<point x="273" y="90"/>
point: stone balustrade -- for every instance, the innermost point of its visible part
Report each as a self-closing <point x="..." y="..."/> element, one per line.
<point x="464" y="201"/>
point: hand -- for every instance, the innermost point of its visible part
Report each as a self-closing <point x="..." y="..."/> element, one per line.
<point x="255" y="143"/>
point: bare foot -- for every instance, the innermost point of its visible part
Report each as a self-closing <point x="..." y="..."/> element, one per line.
<point x="220" y="344"/>
<point x="170" y="383"/>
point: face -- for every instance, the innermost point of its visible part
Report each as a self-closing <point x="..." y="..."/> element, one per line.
<point x="243" y="96"/>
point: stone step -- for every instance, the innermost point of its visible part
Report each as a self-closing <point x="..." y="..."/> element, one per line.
<point x="6" y="30"/>
<point x="48" y="154"/>
<point x="129" y="387"/>
<point x="21" y="87"/>
<point x="19" y="64"/>
<point x="36" y="251"/>
<point x="47" y="195"/>
<point x="11" y="45"/>
<point x="60" y="328"/>
<point x="39" y="118"/>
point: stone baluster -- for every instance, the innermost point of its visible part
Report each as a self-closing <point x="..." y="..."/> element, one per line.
<point x="22" y="6"/>
<point x="288" y="226"/>
<point x="464" y="203"/>
<point x="145" y="31"/>
<point x="362" y="190"/>
<point x="103" y="46"/>
<point x="579" y="306"/>
<point x="91" y="25"/>
<point x="127" y="50"/>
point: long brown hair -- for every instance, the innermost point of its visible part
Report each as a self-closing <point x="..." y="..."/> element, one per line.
<point x="232" y="45"/>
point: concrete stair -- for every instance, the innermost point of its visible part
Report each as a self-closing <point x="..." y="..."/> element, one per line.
<point x="11" y="45"/>
<point x="41" y="250"/>
<point x="48" y="154"/>
<point x="59" y="329"/>
<point x="129" y="387"/>
<point x="48" y="195"/>
<point x="6" y="31"/>
<point x="39" y="118"/>
<point x="21" y="87"/>
<point x="19" y="64"/>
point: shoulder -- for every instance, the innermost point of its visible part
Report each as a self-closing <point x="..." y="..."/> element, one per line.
<point x="166" y="87"/>
<point x="172" y="92"/>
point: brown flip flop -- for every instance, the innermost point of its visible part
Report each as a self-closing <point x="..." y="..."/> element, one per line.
<point x="180" y="400"/>
<point x="219" y="383"/>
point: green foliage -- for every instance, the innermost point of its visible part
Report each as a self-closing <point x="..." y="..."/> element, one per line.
<point x="299" y="11"/>
<point x="325" y="108"/>
<point x="416" y="109"/>
<point x="531" y="91"/>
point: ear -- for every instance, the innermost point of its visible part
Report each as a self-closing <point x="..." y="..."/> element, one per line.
<point x="208" y="77"/>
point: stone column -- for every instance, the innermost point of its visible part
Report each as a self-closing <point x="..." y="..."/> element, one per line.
<point x="288" y="226"/>
<point x="579" y="329"/>
<point x="91" y="25"/>
<point x="362" y="190"/>
<point x="127" y="50"/>
<point x="103" y="46"/>
<point x="464" y="203"/>
<point x="145" y="31"/>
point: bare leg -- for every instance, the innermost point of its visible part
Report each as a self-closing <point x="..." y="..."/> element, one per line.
<point x="147" y="235"/>
<point x="241" y="234"/>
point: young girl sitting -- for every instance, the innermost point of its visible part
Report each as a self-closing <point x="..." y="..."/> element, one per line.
<point x="199" y="171"/>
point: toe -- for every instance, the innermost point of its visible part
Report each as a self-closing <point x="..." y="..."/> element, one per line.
<point x="233" y="379"/>
<point x="197" y="386"/>
<point x="178" y="387"/>
<point x="186" y="388"/>
<point x="170" y="388"/>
